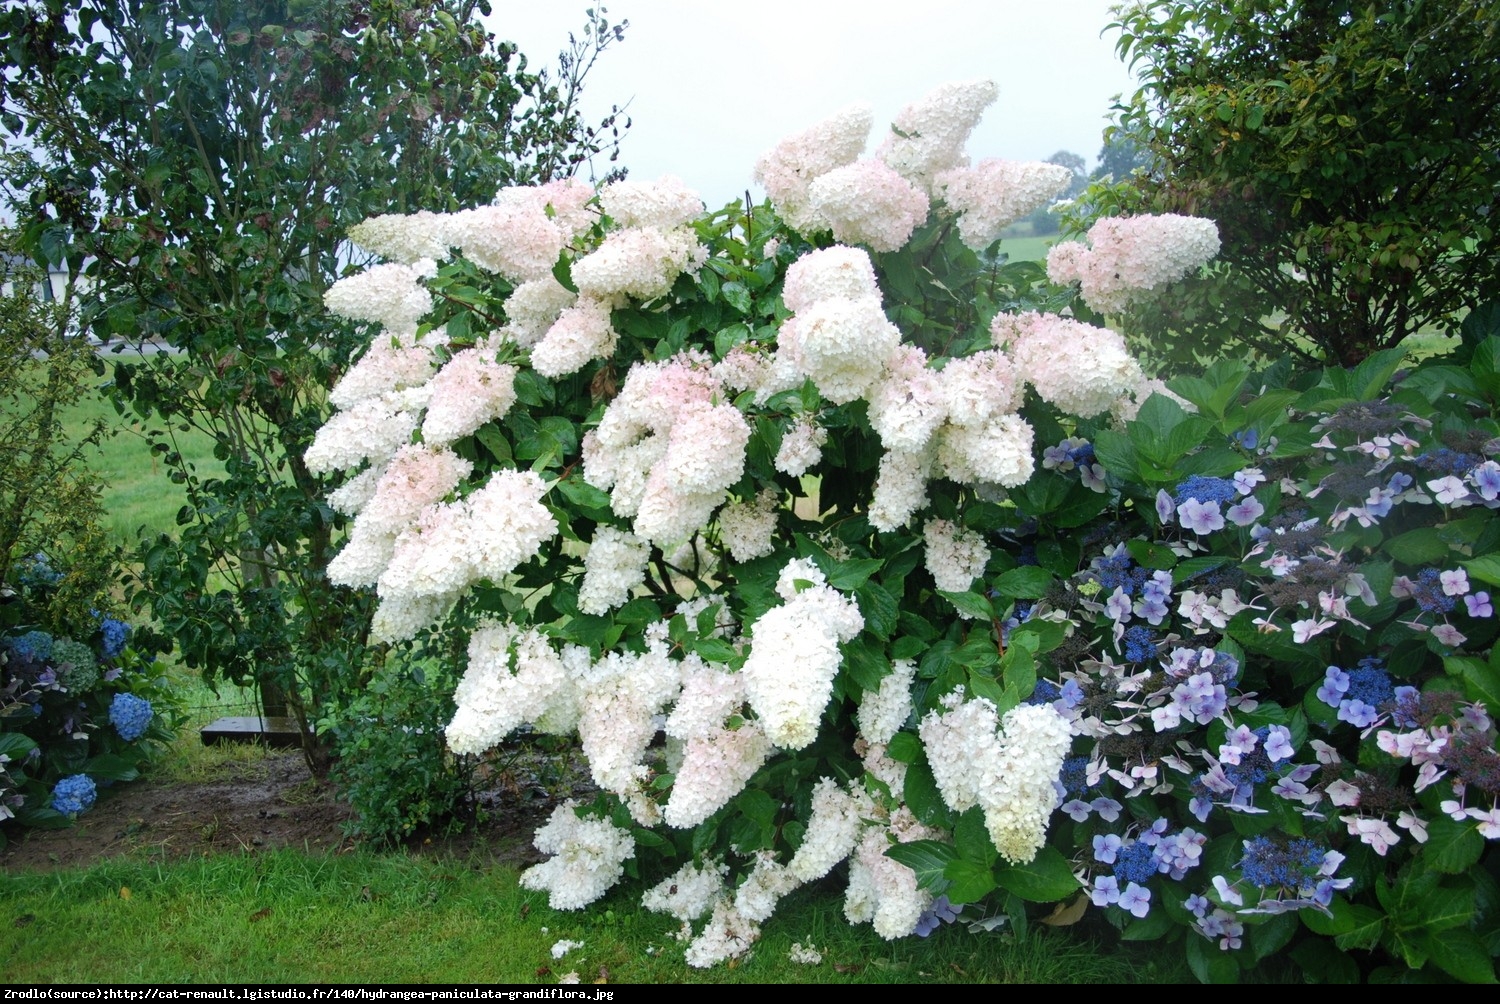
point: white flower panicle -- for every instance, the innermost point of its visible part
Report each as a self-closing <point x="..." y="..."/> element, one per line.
<point x="470" y="390"/>
<point x="404" y="239"/>
<point x="393" y="363"/>
<point x="794" y="656"/>
<point x="1082" y="369"/>
<point x="928" y="136"/>
<point x="373" y="429"/>
<point x="533" y="307"/>
<point x="664" y="204"/>
<point x="513" y="677"/>
<point x="908" y="404"/>
<point x="582" y="333"/>
<point x="416" y="477"/>
<point x="390" y="294"/>
<point x="801" y="447"/>
<point x="882" y="712"/>
<point x="748" y="528"/>
<point x="642" y="262"/>
<point x="832" y="830"/>
<point x="689" y="892"/>
<point x="955" y="556"/>
<point x="1127" y="256"/>
<point x="588" y="857"/>
<point x="1010" y="775"/>
<point x="615" y="564"/>
<point x="882" y="891"/>
<point x="728" y="935"/>
<point x="618" y="699"/>
<point x="838" y="272"/>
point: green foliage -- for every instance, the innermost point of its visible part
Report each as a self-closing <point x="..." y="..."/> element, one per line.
<point x="198" y="163"/>
<point x="1348" y="153"/>
<point x="49" y="500"/>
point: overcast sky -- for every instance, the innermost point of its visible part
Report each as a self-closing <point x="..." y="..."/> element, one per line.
<point x="711" y="86"/>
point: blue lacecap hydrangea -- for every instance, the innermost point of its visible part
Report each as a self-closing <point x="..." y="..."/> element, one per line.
<point x="1118" y="571"/>
<point x="1270" y="864"/>
<point x="1135" y="863"/>
<point x="1074" y="776"/>
<point x="74" y="794"/>
<point x="1445" y="461"/>
<point x="130" y="715"/>
<point x="38" y="571"/>
<point x="1206" y="489"/>
<point x="1427" y="590"/>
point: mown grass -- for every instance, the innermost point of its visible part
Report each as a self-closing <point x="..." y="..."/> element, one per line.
<point x="288" y="916"/>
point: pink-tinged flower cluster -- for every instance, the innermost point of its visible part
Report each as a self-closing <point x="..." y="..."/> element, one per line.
<point x="788" y="170"/>
<point x="619" y="697"/>
<point x="522" y="235"/>
<point x="451" y="546"/>
<point x="1126" y="256"/>
<point x="794" y="654"/>
<point x="995" y="193"/>
<point x="839" y="336"/>
<point x="582" y="333"/>
<point x="588" y="856"/>
<point x="533" y="307"/>
<point x="470" y="390"/>
<point x="393" y="363"/>
<point x="404" y="239"/>
<point x="882" y="891"/>
<point x="665" y="451"/>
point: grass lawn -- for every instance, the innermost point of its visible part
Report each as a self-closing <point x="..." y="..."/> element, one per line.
<point x="293" y="917"/>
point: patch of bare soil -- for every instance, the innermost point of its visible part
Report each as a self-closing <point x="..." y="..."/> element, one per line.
<point x="268" y="803"/>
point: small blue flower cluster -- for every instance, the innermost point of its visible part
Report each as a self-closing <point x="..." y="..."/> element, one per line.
<point x="1135" y="863"/>
<point x="941" y="911"/>
<point x="1427" y="590"/>
<point x="130" y="715"/>
<point x="1268" y="864"/>
<point x="1206" y="489"/>
<point x="1445" y="461"/>
<point x="74" y="794"/>
<point x="113" y="637"/>
<point x="1118" y="571"/>
<point x="1139" y="645"/>
<point x="1074" y="776"/>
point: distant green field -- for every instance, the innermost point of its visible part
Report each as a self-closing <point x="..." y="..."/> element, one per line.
<point x="137" y="491"/>
<point x="1028" y="248"/>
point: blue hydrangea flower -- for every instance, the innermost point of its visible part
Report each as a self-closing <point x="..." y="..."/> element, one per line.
<point x="35" y="645"/>
<point x="38" y="571"/>
<point x="113" y="636"/>
<point x="73" y="795"/>
<point x="941" y="911"/>
<point x="130" y="715"/>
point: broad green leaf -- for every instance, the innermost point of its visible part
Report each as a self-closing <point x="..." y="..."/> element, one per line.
<point x="969" y="881"/>
<point x="1452" y="847"/>
<point x="1045" y="879"/>
<point x="928" y="859"/>
<point x="971" y="838"/>
<point x="1029" y="582"/>
<point x="923" y="797"/>
<point x="970" y="603"/>
<point x="1461" y="954"/>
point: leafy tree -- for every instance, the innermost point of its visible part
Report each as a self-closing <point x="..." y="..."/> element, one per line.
<point x="1118" y="157"/>
<point x="1349" y="152"/>
<point x="198" y="162"/>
